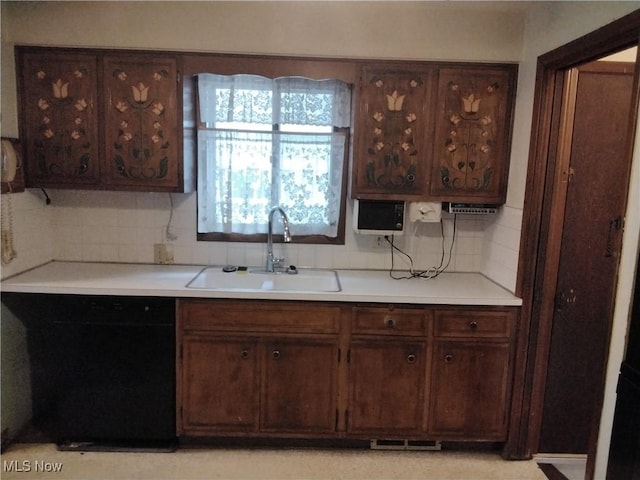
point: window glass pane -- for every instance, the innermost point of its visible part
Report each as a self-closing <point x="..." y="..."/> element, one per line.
<point x="306" y="190"/>
<point x="264" y="142"/>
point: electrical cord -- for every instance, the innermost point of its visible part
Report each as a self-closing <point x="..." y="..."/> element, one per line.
<point x="432" y="272"/>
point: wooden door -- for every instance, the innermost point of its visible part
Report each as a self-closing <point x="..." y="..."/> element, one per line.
<point x="386" y="386"/>
<point x="142" y="142"/>
<point x="300" y="385"/>
<point x="470" y="380"/>
<point x="220" y="384"/>
<point x="591" y="238"/>
<point x="59" y="118"/>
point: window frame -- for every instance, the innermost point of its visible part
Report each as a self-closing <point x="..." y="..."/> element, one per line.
<point x="273" y="67"/>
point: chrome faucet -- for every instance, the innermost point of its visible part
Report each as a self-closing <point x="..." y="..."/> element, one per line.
<point x="273" y="262"/>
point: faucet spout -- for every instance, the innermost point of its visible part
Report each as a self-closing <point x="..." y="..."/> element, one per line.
<point x="273" y="262"/>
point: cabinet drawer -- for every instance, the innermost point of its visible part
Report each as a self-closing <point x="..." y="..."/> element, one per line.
<point x="452" y="323"/>
<point x="390" y="321"/>
<point x="290" y="317"/>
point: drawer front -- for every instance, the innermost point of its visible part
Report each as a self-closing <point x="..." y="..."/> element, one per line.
<point x="390" y="321"/>
<point x="249" y="316"/>
<point x="453" y="323"/>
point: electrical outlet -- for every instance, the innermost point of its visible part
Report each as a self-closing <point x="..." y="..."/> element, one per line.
<point x="379" y="242"/>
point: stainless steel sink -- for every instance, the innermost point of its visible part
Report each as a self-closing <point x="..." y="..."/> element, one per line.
<point x="306" y="280"/>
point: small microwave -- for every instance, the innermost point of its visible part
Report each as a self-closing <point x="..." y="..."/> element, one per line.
<point x="378" y="217"/>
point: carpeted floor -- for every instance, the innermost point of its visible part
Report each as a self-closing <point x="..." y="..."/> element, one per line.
<point x="45" y="462"/>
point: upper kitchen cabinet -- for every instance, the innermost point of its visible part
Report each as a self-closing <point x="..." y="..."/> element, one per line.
<point x="470" y="161"/>
<point x="59" y="119"/>
<point x="141" y="122"/>
<point x="391" y="146"/>
<point x="93" y="119"/>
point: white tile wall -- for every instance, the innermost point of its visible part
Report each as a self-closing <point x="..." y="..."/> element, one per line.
<point x="33" y="237"/>
<point x="502" y="246"/>
<point x="123" y="226"/>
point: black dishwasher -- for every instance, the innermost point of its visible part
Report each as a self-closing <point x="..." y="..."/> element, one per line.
<point x="116" y="369"/>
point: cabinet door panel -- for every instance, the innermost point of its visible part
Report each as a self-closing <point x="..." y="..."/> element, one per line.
<point x="220" y="384"/>
<point x="386" y="392"/>
<point x="299" y="393"/>
<point x="392" y="127"/>
<point x="470" y="383"/>
<point x="471" y="154"/>
<point x="59" y="119"/>
<point x="141" y="121"/>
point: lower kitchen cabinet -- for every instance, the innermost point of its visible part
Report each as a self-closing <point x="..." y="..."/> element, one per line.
<point x="328" y="370"/>
<point x="471" y="374"/>
<point x="386" y="387"/>
<point x="469" y="381"/>
<point x="299" y="385"/>
<point x="242" y="371"/>
<point x="220" y="383"/>
<point x="387" y="363"/>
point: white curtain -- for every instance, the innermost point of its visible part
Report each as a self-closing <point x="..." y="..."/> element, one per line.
<point x="264" y="142"/>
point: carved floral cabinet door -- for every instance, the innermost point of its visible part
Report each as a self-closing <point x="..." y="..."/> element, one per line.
<point x="471" y="152"/>
<point x="141" y="122"/>
<point x="390" y="157"/>
<point x="59" y="119"/>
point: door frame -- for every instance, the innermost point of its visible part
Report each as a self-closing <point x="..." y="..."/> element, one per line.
<point x="543" y="219"/>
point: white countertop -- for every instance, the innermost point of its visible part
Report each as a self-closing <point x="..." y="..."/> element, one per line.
<point x="88" y="278"/>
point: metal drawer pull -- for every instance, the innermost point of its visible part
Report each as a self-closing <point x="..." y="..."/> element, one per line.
<point x="411" y="358"/>
<point x="448" y="358"/>
<point x="473" y="326"/>
<point x="390" y="322"/>
<point x="244" y="354"/>
<point x="275" y="354"/>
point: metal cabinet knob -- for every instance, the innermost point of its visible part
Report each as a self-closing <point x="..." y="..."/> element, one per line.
<point x="390" y="322"/>
<point x="448" y="358"/>
<point x="411" y="358"/>
<point x="275" y="354"/>
<point x="244" y="354"/>
<point x="473" y="326"/>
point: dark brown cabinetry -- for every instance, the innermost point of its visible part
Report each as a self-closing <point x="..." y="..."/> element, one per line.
<point x="59" y="111"/>
<point x="472" y="137"/>
<point x="387" y="365"/>
<point x="392" y="126"/>
<point x="387" y="387"/>
<point x="92" y="120"/>
<point x="428" y="131"/>
<point x="309" y="369"/>
<point x="258" y="368"/>
<point x="141" y="121"/>
<point x="299" y="389"/>
<point x="471" y="374"/>
<point x="220" y="383"/>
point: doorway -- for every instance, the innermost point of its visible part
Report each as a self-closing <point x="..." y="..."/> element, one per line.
<point x="594" y="172"/>
<point x="543" y="220"/>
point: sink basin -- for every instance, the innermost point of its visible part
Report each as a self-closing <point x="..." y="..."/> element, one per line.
<point x="306" y="280"/>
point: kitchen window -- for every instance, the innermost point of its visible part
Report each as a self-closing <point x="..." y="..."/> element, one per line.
<point x="263" y="142"/>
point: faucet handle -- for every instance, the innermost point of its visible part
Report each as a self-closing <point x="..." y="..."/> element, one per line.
<point x="278" y="262"/>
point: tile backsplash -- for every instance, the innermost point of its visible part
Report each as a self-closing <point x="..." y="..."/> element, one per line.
<point x="124" y="226"/>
